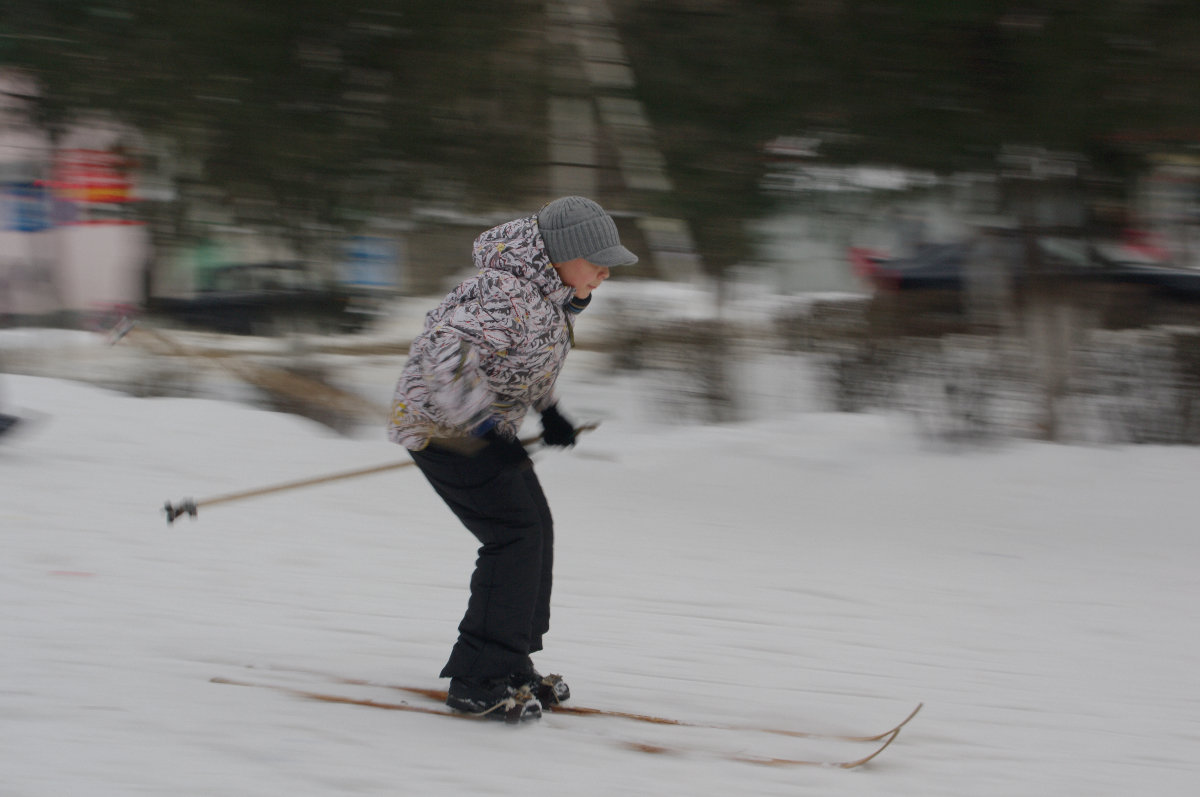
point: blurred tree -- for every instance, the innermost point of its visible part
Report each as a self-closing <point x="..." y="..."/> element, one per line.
<point x="1060" y="99"/>
<point x="944" y="85"/>
<point x="709" y="75"/>
<point x="303" y="113"/>
<point x="296" y="115"/>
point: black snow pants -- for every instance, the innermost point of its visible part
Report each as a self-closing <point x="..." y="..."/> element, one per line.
<point x="502" y="504"/>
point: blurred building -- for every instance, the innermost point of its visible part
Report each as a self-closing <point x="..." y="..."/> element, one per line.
<point x="70" y="245"/>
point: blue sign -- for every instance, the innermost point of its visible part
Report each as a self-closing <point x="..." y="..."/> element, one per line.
<point x="25" y="207"/>
<point x="371" y="262"/>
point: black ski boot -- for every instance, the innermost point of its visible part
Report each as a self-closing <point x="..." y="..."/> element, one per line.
<point x="493" y="698"/>
<point x="550" y="690"/>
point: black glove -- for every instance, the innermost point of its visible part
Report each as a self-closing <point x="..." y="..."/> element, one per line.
<point x="509" y="452"/>
<point x="557" y="430"/>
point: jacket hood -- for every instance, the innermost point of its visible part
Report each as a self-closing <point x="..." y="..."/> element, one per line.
<point x="517" y="247"/>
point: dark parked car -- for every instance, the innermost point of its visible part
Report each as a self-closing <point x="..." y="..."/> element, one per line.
<point x="266" y="299"/>
<point x="934" y="267"/>
<point x="942" y="267"/>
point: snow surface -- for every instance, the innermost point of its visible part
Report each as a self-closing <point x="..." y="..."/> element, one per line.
<point x="817" y="571"/>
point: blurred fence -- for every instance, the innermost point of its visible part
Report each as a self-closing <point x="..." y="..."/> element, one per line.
<point x="1084" y="383"/>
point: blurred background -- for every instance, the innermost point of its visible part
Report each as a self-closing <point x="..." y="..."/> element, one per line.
<point x="982" y="213"/>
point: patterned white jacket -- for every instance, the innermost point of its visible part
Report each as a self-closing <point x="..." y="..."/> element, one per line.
<point x="494" y="346"/>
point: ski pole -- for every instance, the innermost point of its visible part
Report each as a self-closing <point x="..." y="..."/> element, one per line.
<point x="189" y="506"/>
<point x="275" y="381"/>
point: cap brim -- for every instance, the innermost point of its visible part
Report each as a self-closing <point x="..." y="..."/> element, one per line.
<point x="612" y="256"/>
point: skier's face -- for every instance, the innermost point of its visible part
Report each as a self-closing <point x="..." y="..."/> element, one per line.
<point x="581" y="275"/>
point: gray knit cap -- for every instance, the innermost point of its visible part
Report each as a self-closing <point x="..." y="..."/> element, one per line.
<point x="575" y="226"/>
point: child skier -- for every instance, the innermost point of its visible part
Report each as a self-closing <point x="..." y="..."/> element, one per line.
<point x="490" y="352"/>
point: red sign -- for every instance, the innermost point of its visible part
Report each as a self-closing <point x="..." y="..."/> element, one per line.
<point x="92" y="176"/>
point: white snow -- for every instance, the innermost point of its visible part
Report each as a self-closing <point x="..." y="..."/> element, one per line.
<point x="814" y="571"/>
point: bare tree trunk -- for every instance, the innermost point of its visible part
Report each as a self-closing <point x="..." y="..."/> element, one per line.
<point x="1049" y="326"/>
